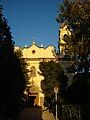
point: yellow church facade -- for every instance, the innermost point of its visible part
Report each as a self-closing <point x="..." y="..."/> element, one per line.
<point x="34" y="55"/>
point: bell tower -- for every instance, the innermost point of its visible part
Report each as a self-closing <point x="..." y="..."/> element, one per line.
<point x="63" y="31"/>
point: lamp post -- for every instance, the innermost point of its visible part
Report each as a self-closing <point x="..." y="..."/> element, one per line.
<point x="56" y="91"/>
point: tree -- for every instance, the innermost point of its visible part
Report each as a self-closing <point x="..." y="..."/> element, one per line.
<point x="76" y="14"/>
<point x="24" y="65"/>
<point x="12" y="79"/>
<point x="53" y="76"/>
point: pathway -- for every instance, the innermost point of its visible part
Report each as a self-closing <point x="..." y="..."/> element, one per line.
<point x="46" y="115"/>
<point x="35" y="113"/>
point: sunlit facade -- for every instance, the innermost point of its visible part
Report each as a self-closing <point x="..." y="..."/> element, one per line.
<point x="34" y="55"/>
<point x="61" y="43"/>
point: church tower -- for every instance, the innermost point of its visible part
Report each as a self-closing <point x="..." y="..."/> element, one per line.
<point x="63" y="31"/>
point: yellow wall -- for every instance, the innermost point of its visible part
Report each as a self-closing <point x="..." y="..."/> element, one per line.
<point x="40" y="52"/>
<point x="63" y="30"/>
<point x="34" y="55"/>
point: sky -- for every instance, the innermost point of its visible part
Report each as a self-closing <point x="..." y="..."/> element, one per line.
<point x="32" y="20"/>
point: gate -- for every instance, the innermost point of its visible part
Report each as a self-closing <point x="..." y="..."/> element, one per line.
<point x="71" y="112"/>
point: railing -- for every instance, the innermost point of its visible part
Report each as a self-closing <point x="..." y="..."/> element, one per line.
<point x="71" y="112"/>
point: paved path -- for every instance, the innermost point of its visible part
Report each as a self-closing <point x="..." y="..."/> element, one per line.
<point x="35" y="113"/>
<point x="30" y="113"/>
<point x="46" y="115"/>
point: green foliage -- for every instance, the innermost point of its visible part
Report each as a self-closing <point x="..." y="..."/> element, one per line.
<point x="76" y="14"/>
<point x="23" y="64"/>
<point x="78" y="91"/>
<point x="12" y="80"/>
<point x="6" y="43"/>
<point x="53" y="76"/>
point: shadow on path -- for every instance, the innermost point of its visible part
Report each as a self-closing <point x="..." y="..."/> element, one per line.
<point x="35" y="113"/>
<point x="31" y="113"/>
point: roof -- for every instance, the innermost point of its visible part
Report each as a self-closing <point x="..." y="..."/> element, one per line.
<point x="38" y="52"/>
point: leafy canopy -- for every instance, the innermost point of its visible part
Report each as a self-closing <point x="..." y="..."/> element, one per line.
<point x="53" y="76"/>
<point x="76" y="14"/>
<point x="12" y="79"/>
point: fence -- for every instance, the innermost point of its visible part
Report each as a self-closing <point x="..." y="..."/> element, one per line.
<point x="71" y="112"/>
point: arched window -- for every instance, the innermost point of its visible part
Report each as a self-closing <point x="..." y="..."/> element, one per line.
<point x="33" y="71"/>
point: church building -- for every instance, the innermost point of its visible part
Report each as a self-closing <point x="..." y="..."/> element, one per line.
<point x="34" y="55"/>
<point x="63" y="32"/>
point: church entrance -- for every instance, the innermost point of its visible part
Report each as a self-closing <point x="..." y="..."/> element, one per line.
<point x="33" y="95"/>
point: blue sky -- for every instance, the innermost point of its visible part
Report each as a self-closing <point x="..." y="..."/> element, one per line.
<point x="29" y="17"/>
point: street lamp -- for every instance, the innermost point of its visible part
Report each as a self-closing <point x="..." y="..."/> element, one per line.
<point x="56" y="91"/>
